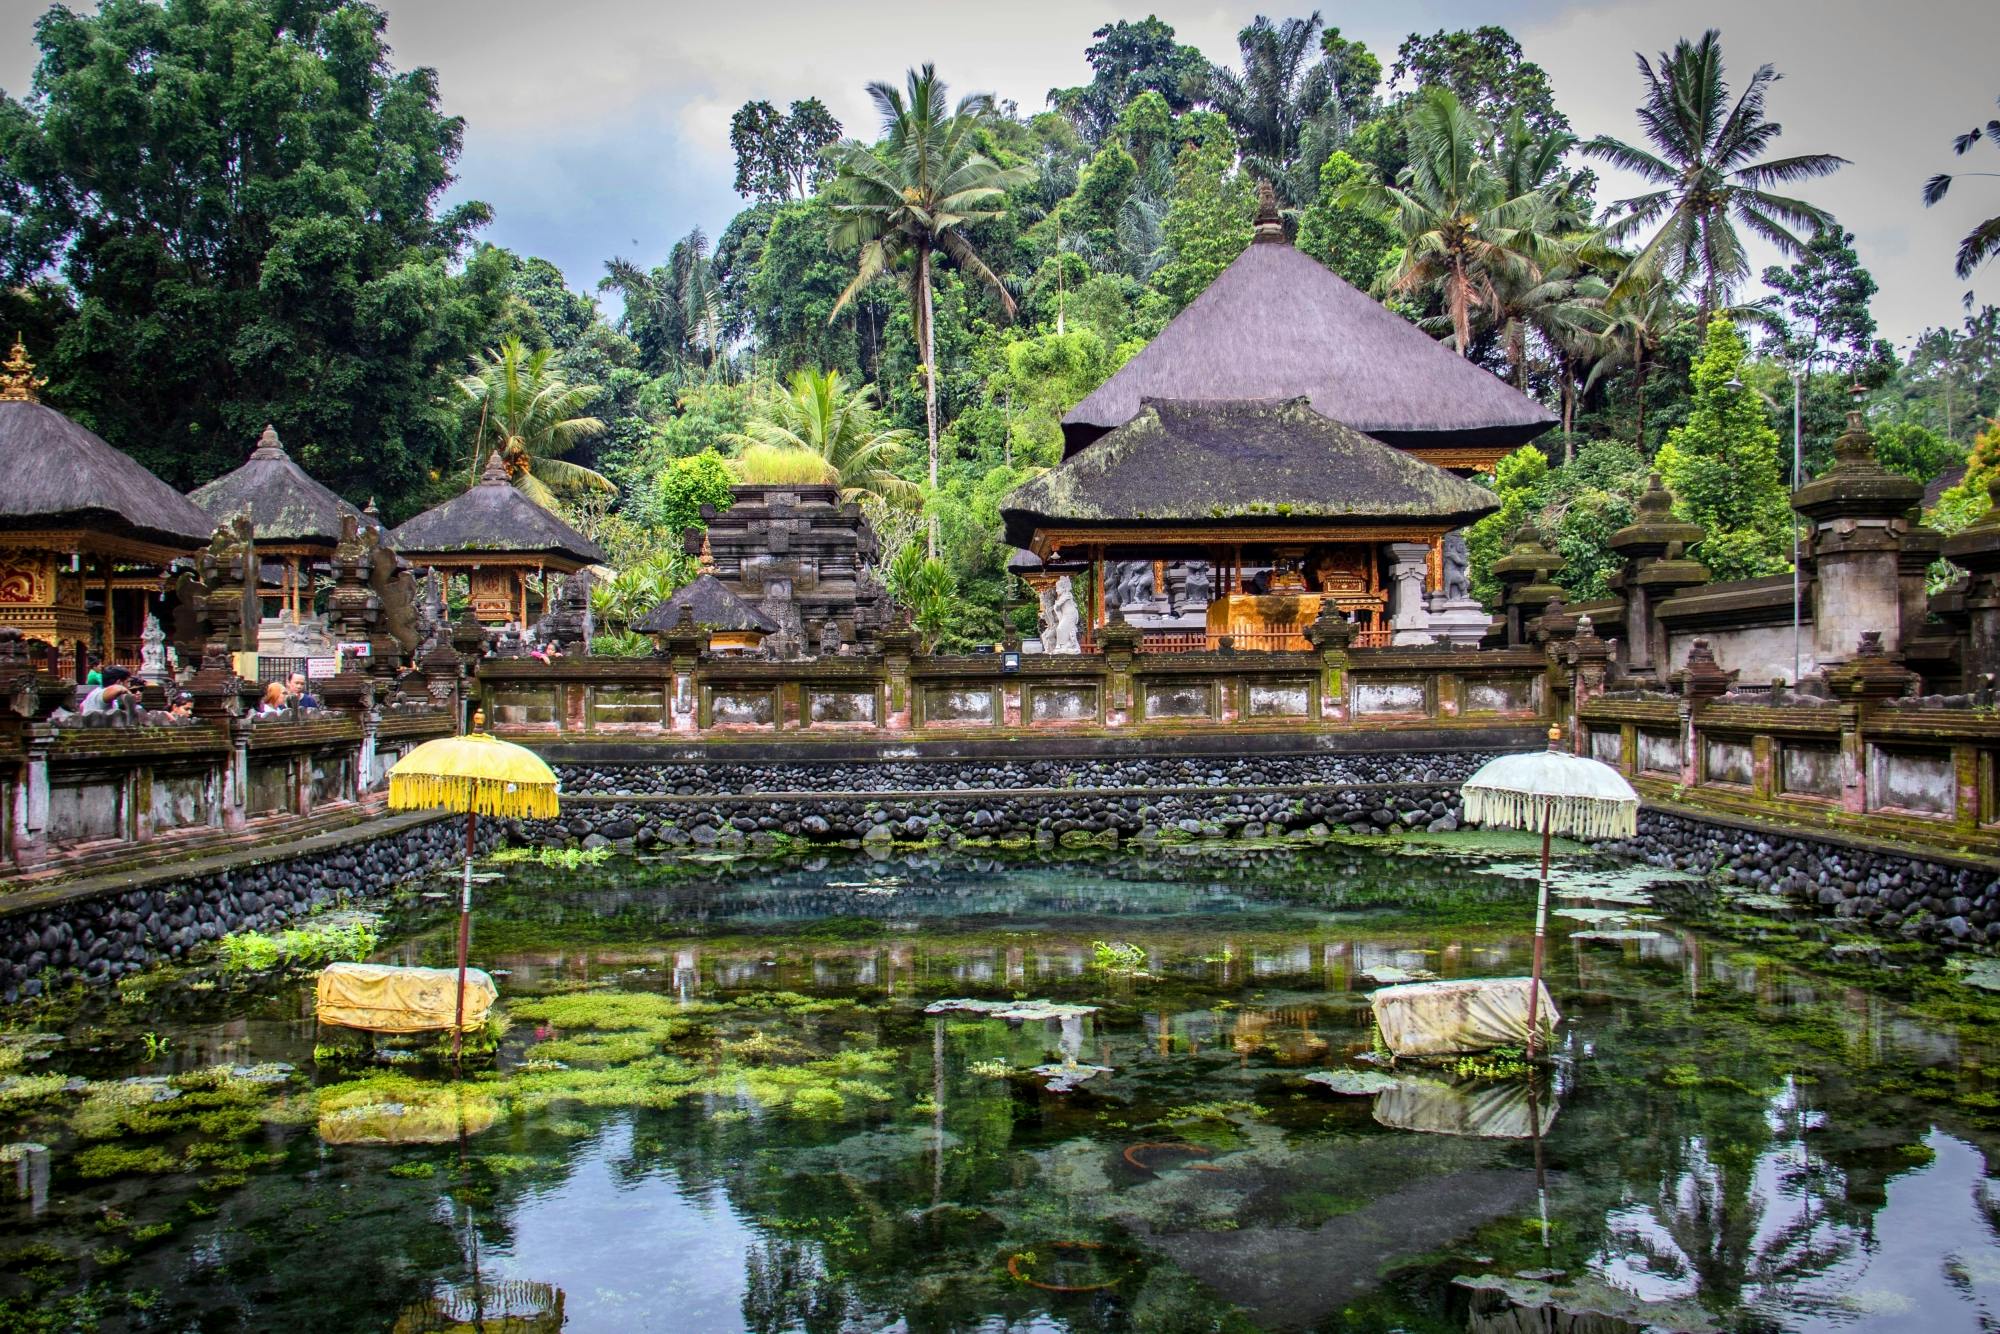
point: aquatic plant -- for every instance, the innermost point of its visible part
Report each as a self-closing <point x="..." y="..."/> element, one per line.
<point x="111" y="1160"/>
<point x="564" y="859"/>
<point x="155" y="1043"/>
<point x="1117" y="956"/>
<point x="348" y="939"/>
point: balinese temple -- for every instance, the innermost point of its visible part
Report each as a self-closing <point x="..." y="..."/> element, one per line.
<point x="86" y="533"/>
<point x="706" y="603"/>
<point x="1286" y="439"/>
<point x="296" y="521"/>
<point x="499" y="539"/>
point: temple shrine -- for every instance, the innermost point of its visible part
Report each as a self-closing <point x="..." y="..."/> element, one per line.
<point x="1286" y="442"/>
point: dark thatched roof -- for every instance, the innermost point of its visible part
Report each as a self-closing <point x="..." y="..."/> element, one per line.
<point x="1279" y="324"/>
<point x="493" y="517"/>
<point x="709" y="604"/>
<point x="1238" y="462"/>
<point x="56" y="474"/>
<point x="285" y="504"/>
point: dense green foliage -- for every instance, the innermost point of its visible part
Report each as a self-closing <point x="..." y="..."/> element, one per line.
<point x="220" y="214"/>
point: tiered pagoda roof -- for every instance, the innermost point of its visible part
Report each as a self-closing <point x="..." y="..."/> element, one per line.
<point x="494" y="517"/>
<point x="1278" y="324"/>
<point x="710" y="604"/>
<point x="1232" y="464"/>
<point x="57" y="475"/>
<point x="286" y="506"/>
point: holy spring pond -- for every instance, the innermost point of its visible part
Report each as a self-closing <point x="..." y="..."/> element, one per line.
<point x="934" y="1091"/>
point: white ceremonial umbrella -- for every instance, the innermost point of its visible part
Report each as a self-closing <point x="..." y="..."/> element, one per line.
<point x="1557" y="793"/>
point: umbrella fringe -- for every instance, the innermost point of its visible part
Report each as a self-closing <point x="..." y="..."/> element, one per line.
<point x="1573" y="817"/>
<point x="479" y="796"/>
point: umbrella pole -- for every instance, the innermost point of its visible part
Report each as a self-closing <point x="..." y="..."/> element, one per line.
<point x="465" y="933"/>
<point x="1541" y="932"/>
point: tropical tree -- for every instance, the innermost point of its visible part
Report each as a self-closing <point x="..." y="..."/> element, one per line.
<point x="1281" y="89"/>
<point x="1459" y="224"/>
<point x="1709" y="175"/>
<point x="673" y="312"/>
<point x="914" y="194"/>
<point x="1982" y="242"/>
<point x="527" y="412"/>
<point x="1638" y="319"/>
<point x="820" y="415"/>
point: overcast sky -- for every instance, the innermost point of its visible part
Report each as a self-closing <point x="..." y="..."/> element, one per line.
<point x="600" y="127"/>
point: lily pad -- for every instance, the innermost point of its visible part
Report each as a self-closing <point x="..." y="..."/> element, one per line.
<point x="1360" y="1083"/>
<point x="1016" y="1011"/>
<point x="1389" y="975"/>
<point x="1595" y="916"/>
<point x="1763" y="902"/>
<point x="1615" y="934"/>
<point x="1983" y="973"/>
<point x="1063" y="1078"/>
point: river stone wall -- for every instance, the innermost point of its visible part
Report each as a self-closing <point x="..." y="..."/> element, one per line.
<point x="685" y="780"/>
<point x="1050" y="815"/>
<point x="1940" y="901"/>
<point x="102" y="937"/>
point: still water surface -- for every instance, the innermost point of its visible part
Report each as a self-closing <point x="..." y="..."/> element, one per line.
<point x="723" y="1103"/>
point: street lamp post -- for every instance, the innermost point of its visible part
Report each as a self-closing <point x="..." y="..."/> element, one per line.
<point x="1798" y="394"/>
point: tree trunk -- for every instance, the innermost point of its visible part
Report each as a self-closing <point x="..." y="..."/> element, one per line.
<point x="1639" y="395"/>
<point x="1568" y="406"/>
<point x="930" y="385"/>
<point x="1461" y="309"/>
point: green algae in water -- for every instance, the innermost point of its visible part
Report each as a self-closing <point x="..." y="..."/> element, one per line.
<point x="771" y="1131"/>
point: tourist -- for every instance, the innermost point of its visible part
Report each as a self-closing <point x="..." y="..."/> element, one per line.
<point x="182" y="707"/>
<point x="548" y="652"/>
<point x="299" y="692"/>
<point x="118" y="691"/>
<point x="95" y="676"/>
<point x="274" y="700"/>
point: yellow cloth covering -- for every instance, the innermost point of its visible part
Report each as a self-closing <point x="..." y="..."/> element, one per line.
<point x="383" y="998"/>
<point x="1446" y="1018"/>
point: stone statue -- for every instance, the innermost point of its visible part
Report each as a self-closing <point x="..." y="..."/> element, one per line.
<point x="567" y="621"/>
<point x="1195" y="588"/>
<point x="1457" y="568"/>
<point x="228" y="566"/>
<point x="1063" y="616"/>
<point x="829" y="638"/>
<point x="393" y="583"/>
<point x="153" y="650"/>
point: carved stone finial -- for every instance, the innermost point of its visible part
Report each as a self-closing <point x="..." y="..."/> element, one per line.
<point x="1270" y="226"/>
<point x="17" y="377"/>
<point x="496" y="473"/>
<point x="706" y="564"/>
<point x="268" y="445"/>
<point x="1655" y="502"/>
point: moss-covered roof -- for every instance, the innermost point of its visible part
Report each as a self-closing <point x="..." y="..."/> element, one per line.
<point x="1238" y="462"/>
<point x="493" y="516"/>
<point x="1279" y="324"/>
<point x="709" y="604"/>
<point x="284" y="502"/>
<point x="56" y="474"/>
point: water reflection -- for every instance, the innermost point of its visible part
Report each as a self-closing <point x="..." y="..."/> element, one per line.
<point x="776" y="1136"/>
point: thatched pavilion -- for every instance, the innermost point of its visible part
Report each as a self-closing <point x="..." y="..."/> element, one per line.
<point x="497" y="537"/>
<point x="1272" y="486"/>
<point x="707" y="603"/>
<point x="76" y="514"/>
<point x="1284" y="436"/>
<point x="297" y="520"/>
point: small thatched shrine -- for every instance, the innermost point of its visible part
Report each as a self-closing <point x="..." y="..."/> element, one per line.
<point x="296" y="520"/>
<point x="1286" y="441"/>
<point x="498" y="538"/>
<point x="708" y="604"/>
<point x="78" y="518"/>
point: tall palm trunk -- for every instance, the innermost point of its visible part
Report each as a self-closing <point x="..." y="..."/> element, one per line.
<point x="930" y="383"/>
<point x="1639" y="393"/>
<point x="1461" y="305"/>
<point x="1568" y="405"/>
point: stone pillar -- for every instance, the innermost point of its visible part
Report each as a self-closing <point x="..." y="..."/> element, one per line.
<point x="1859" y="512"/>
<point x="1331" y="633"/>
<point x="1655" y="568"/>
<point x="32" y="806"/>
<point x="1977" y="550"/>
<point x="1119" y="642"/>
<point x="1409" y="565"/>
<point x="898" y="645"/>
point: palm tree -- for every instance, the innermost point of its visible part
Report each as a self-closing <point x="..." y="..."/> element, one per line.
<point x="819" y="415"/>
<point x="1708" y="174"/>
<point x="1982" y="242"/>
<point x="672" y="312"/>
<point x="1461" y="226"/>
<point x="914" y="194"/>
<point x="533" y="417"/>
<point x="1281" y="89"/>
<point x="1637" y="320"/>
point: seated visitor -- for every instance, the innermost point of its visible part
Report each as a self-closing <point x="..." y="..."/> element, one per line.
<point x="299" y="693"/>
<point x="273" y="701"/>
<point x="118" y="692"/>
<point x="95" y="676"/>
<point x="546" y="652"/>
<point x="183" y="706"/>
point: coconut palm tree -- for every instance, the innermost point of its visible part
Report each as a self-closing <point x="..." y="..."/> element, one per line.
<point x="1461" y="226"/>
<point x="914" y="194"/>
<point x="1637" y="320"/>
<point x="1708" y="175"/>
<point x="819" y="415"/>
<point x="533" y="417"/>
<point x="1983" y="241"/>
<point x="1283" y="86"/>
<point x="674" y="312"/>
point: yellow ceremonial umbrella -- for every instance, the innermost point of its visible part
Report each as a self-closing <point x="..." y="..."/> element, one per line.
<point x="479" y="775"/>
